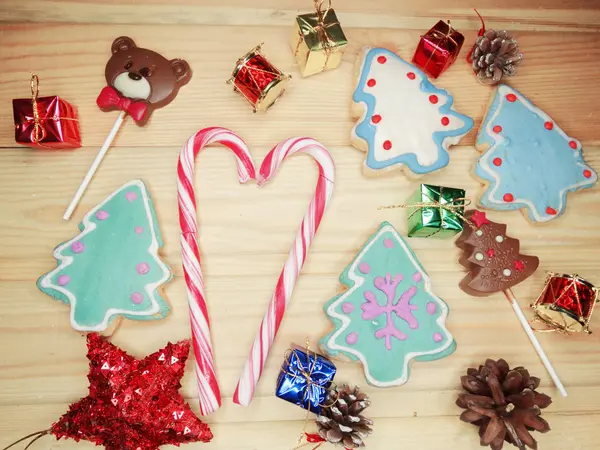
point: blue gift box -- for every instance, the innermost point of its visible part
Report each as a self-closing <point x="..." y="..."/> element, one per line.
<point x="304" y="379"/>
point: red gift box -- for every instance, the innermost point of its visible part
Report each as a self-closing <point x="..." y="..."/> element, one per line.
<point x="45" y="122"/>
<point x="438" y="49"/>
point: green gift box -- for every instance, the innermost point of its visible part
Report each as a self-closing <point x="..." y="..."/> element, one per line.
<point x="435" y="211"/>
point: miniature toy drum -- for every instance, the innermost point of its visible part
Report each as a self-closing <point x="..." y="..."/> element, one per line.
<point x="566" y="303"/>
<point x="258" y="80"/>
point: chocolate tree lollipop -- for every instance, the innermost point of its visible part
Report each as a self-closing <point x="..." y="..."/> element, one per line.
<point x="139" y="81"/>
<point x="496" y="265"/>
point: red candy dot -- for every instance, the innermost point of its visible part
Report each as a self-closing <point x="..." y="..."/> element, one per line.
<point x="587" y="173"/>
<point x="382" y="60"/>
<point x="511" y="97"/>
<point x="433" y="99"/>
<point x="573" y="145"/>
<point x="497" y="129"/>
<point x="551" y="211"/>
<point x="445" y="121"/>
<point x="387" y="145"/>
<point x="411" y="75"/>
<point x="371" y="82"/>
<point x="548" y="125"/>
<point x="497" y="162"/>
<point x="376" y="118"/>
<point x="508" y="198"/>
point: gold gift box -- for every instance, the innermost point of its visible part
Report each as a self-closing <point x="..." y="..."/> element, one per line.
<point x="318" y="43"/>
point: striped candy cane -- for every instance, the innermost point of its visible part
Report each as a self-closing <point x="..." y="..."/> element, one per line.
<point x="208" y="387"/>
<point x="291" y="270"/>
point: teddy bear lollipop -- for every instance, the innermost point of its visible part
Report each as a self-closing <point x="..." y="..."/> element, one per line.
<point x="495" y="264"/>
<point x="139" y="81"/>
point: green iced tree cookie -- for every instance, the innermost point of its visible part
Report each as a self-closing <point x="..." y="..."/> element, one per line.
<point x="112" y="267"/>
<point x="389" y="314"/>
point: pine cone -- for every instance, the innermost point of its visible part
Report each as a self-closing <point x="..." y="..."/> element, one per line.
<point x="342" y="423"/>
<point x="504" y="404"/>
<point x="495" y="54"/>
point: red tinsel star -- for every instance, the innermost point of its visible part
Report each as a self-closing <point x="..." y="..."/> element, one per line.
<point x="479" y="218"/>
<point x="133" y="404"/>
<point x="519" y="265"/>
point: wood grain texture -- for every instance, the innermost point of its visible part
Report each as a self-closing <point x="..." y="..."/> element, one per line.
<point x="245" y="231"/>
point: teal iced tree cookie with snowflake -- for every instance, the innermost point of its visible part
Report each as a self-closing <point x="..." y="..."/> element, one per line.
<point x="404" y="121"/>
<point x="389" y="315"/>
<point x="112" y="267"/>
<point x="528" y="161"/>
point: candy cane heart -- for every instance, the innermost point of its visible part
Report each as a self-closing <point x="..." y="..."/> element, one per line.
<point x="209" y="393"/>
<point x="291" y="270"/>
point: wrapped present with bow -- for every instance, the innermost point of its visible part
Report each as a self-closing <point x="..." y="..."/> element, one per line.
<point x="435" y="211"/>
<point x="438" y="49"/>
<point x="318" y="40"/>
<point x="304" y="379"/>
<point x="45" y="122"/>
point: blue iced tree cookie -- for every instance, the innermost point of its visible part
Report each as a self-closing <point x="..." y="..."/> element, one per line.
<point x="404" y="121"/>
<point x="112" y="267"/>
<point x="389" y="315"/>
<point x="528" y="161"/>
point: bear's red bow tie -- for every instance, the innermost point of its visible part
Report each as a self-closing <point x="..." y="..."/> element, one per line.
<point x="109" y="97"/>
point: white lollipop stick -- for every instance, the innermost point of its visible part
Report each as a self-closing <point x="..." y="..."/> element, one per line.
<point x="88" y="177"/>
<point x="534" y="340"/>
<point x="291" y="270"/>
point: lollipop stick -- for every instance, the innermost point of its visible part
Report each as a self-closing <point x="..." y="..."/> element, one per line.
<point x="536" y="344"/>
<point x="88" y="177"/>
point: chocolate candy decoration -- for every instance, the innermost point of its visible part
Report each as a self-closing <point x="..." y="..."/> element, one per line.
<point x="493" y="258"/>
<point x="142" y="75"/>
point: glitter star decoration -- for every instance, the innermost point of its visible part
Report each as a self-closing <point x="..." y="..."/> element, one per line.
<point x="133" y="404"/>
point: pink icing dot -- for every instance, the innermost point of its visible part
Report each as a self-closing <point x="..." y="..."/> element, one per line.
<point x="431" y="308"/>
<point x="437" y="337"/>
<point x="77" y="247"/>
<point x="352" y="338"/>
<point x="364" y="267"/>
<point x="63" y="280"/>
<point x="143" y="268"/>
<point x="137" y="298"/>
<point x="347" y="307"/>
<point x="138" y="230"/>
<point x="131" y="196"/>
<point x="101" y="215"/>
<point x="388" y="243"/>
<point x="417" y="277"/>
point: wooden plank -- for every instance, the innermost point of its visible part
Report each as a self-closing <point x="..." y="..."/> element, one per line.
<point x="577" y="15"/>
<point x="70" y="61"/>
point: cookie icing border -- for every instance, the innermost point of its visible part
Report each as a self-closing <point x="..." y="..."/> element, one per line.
<point x="64" y="261"/>
<point x="365" y="131"/>
<point x="487" y="137"/>
<point x="355" y="282"/>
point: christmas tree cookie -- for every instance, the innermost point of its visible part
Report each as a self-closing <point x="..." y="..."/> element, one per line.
<point x="528" y="161"/>
<point x="112" y="267"/>
<point x="389" y="315"/>
<point x="404" y="121"/>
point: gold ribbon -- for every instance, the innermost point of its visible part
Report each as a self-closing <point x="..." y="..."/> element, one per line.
<point x="452" y="207"/>
<point x="321" y="30"/>
<point x="437" y="34"/>
<point x="38" y="130"/>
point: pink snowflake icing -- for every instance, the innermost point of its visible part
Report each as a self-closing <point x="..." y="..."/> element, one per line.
<point x="402" y="308"/>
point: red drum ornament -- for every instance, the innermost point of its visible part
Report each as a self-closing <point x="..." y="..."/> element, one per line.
<point x="566" y="304"/>
<point x="259" y="81"/>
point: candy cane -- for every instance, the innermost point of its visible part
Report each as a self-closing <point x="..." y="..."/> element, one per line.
<point x="291" y="270"/>
<point x="208" y="387"/>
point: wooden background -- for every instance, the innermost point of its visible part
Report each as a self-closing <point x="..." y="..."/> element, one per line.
<point x="246" y="232"/>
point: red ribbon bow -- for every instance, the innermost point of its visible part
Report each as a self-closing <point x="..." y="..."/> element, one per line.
<point x="109" y="97"/>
